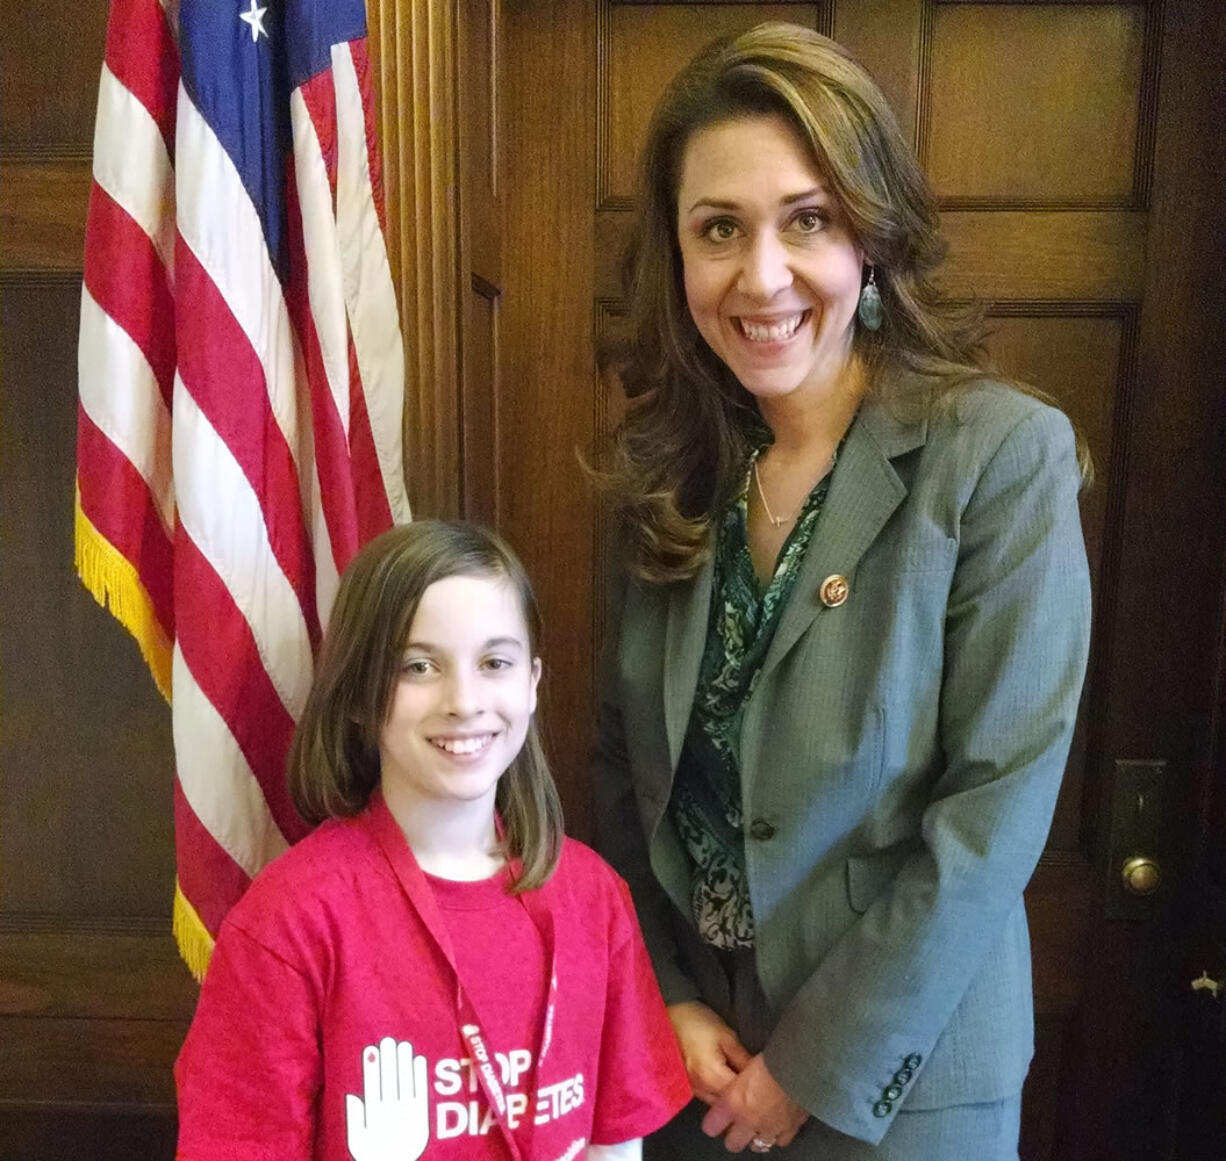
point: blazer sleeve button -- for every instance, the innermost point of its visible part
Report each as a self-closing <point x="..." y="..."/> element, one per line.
<point x="914" y="1061"/>
<point x="892" y="1092"/>
<point x="761" y="830"/>
<point x="903" y="1076"/>
<point x="882" y="1109"/>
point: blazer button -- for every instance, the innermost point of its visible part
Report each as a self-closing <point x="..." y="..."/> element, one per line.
<point x="882" y="1109"/>
<point x="761" y="830"/>
<point x="892" y="1092"/>
<point x="913" y="1061"/>
<point x="903" y="1076"/>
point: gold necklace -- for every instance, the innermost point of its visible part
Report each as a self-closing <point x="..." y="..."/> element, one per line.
<point x="779" y="521"/>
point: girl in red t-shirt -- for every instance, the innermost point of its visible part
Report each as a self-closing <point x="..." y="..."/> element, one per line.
<point x="435" y="971"/>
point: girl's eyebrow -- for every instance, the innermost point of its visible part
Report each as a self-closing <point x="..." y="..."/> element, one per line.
<point x="492" y="643"/>
<point x="816" y="191"/>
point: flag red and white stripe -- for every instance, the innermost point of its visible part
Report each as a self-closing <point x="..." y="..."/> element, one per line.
<point x="241" y="392"/>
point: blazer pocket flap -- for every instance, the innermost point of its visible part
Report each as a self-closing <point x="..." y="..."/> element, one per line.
<point x="869" y="875"/>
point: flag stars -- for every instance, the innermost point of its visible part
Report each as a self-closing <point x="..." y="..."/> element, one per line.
<point x="254" y="16"/>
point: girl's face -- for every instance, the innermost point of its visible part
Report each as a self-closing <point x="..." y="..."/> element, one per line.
<point x="772" y="273"/>
<point x="465" y="694"/>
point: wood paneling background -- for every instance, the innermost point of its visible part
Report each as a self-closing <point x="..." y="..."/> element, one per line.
<point x="93" y="999"/>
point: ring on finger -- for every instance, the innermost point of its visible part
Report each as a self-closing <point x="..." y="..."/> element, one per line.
<point x="761" y="1145"/>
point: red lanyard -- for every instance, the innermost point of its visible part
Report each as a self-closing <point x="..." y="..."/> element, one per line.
<point x="413" y="882"/>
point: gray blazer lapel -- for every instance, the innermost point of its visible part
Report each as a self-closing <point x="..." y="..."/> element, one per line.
<point x="688" y="611"/>
<point x="864" y="492"/>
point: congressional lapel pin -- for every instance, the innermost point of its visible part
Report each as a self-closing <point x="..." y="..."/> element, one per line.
<point x="834" y="591"/>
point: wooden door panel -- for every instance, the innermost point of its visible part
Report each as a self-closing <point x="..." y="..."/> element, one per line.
<point x="643" y="46"/>
<point x="100" y="1063"/>
<point x="90" y="969"/>
<point x="1034" y="103"/>
<point x="1082" y="354"/>
<point x="85" y="1134"/>
<point x="48" y="94"/>
<point x="42" y="214"/>
<point x="85" y="801"/>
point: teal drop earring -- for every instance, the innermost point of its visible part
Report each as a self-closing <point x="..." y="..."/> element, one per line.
<point x="869" y="309"/>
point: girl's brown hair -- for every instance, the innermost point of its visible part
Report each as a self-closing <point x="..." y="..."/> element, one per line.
<point x="680" y="452"/>
<point x="334" y="757"/>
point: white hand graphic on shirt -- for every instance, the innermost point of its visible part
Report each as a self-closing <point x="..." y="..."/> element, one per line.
<point x="391" y="1120"/>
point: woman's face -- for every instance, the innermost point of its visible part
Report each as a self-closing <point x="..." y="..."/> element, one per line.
<point x="772" y="273"/>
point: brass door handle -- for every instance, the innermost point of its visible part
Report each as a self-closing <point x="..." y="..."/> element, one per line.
<point x="1141" y="875"/>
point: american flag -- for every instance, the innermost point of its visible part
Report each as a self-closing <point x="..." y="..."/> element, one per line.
<point x="241" y="389"/>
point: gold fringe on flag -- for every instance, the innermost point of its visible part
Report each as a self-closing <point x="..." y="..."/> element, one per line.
<point x="195" y="942"/>
<point x="114" y="583"/>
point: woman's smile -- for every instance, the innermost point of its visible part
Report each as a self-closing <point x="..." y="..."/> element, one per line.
<point x="771" y="331"/>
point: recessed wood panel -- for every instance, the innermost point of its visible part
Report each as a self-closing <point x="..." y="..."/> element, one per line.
<point x="1060" y="908"/>
<point x="1077" y="256"/>
<point x="1034" y="103"/>
<point x="1041" y="1095"/>
<point x="1077" y="360"/>
<point x="479" y="139"/>
<point x="117" y="970"/>
<point x="50" y="57"/>
<point x="640" y="48"/>
<point x="42" y="214"/>
<point x="480" y="405"/>
<point x="612" y="328"/>
<point x="85" y="752"/>
<point x="120" y="1063"/>
<point x="885" y="37"/>
<point x="48" y="1135"/>
<point x="1060" y="903"/>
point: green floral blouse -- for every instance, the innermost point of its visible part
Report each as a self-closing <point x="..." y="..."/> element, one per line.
<point x="706" y="799"/>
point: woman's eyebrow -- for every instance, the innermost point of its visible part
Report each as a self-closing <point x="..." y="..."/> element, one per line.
<point x="714" y="204"/>
<point x="817" y="191"/>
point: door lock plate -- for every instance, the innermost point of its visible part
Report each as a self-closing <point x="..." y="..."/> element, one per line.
<point x="1134" y="878"/>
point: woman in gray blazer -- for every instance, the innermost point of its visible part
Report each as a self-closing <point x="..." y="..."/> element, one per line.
<point x="850" y="634"/>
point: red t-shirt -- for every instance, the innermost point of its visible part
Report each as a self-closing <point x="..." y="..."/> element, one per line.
<point x="327" y="1021"/>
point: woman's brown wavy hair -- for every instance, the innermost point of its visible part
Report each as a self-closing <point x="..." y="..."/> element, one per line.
<point x="681" y="450"/>
<point x="334" y="758"/>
